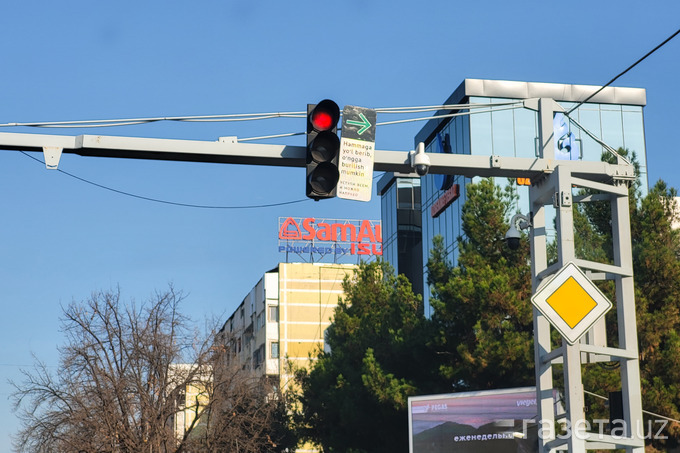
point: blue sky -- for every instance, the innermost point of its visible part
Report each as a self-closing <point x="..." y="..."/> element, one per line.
<point x="80" y="60"/>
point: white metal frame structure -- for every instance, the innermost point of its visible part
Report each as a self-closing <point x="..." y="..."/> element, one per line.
<point x="552" y="182"/>
<point x="556" y="189"/>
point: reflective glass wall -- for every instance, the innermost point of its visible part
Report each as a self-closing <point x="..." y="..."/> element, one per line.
<point x="513" y="132"/>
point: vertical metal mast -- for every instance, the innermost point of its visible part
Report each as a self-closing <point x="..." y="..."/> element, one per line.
<point x="556" y="189"/>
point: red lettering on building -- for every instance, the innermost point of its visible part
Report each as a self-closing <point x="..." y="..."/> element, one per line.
<point x="365" y="236"/>
<point x="445" y="200"/>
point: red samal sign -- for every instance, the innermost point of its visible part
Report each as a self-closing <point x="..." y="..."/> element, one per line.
<point x="335" y="236"/>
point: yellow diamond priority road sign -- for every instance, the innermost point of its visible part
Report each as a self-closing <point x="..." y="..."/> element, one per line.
<point x="571" y="302"/>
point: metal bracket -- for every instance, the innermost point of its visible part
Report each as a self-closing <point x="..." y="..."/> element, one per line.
<point x="561" y="199"/>
<point x="52" y="154"/>
<point x="566" y="199"/>
<point x="531" y="104"/>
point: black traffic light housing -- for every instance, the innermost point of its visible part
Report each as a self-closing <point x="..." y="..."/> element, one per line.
<point x="323" y="149"/>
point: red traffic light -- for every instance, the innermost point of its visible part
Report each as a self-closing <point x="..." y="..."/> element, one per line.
<point x="322" y="121"/>
<point x="325" y="116"/>
<point x="323" y="149"/>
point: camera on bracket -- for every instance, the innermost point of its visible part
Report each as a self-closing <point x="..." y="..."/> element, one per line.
<point x="419" y="160"/>
<point x="513" y="235"/>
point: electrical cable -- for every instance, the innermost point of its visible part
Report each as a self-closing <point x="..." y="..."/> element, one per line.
<point x="451" y="115"/>
<point x="590" y="134"/>
<point x="434" y="108"/>
<point x="644" y="411"/>
<point x="626" y="70"/>
<point x="133" y="121"/>
<point x="173" y="203"/>
<point x="264" y="137"/>
<point x="234" y="117"/>
<point x="600" y="142"/>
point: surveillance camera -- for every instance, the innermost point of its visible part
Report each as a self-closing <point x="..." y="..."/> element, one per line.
<point x="419" y="160"/>
<point x="513" y="243"/>
<point x="422" y="169"/>
<point x="512" y="238"/>
<point x="513" y="234"/>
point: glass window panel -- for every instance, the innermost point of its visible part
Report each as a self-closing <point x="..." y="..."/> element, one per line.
<point x="526" y="132"/>
<point x="404" y="197"/>
<point x="503" y="134"/>
<point x="632" y="108"/>
<point x="433" y="190"/>
<point x="426" y="189"/>
<point x="610" y="107"/>
<point x="416" y="193"/>
<point x="589" y="119"/>
<point x="612" y="127"/>
<point x="453" y="127"/>
<point x="634" y="135"/>
<point x="273" y="313"/>
<point x="480" y="132"/>
<point x="464" y="135"/>
<point x="644" y="179"/>
<point x="567" y="105"/>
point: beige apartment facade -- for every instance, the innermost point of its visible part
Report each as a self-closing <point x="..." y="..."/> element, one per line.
<point x="283" y="319"/>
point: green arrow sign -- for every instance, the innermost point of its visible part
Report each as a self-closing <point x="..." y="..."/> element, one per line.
<point x="364" y="124"/>
<point x="358" y="123"/>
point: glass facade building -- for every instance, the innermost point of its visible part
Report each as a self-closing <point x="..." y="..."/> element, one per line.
<point x="401" y="219"/>
<point x="614" y="116"/>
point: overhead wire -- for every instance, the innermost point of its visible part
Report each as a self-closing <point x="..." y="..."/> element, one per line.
<point x="452" y="115"/>
<point x="625" y="71"/>
<point x="173" y="203"/>
<point x="265" y="137"/>
<point x="598" y="140"/>
<point x="135" y="121"/>
<point x="235" y="117"/>
<point x="646" y="412"/>
<point x="469" y="107"/>
<point x="599" y="90"/>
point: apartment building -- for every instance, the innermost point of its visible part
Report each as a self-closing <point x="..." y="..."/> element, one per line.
<point x="284" y="317"/>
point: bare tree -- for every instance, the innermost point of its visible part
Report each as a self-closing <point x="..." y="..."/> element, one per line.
<point x="129" y="374"/>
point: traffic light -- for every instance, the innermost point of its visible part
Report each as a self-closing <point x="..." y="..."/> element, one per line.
<point x="323" y="149"/>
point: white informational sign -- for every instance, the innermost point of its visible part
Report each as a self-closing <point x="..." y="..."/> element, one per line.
<point x="356" y="169"/>
<point x="357" y="154"/>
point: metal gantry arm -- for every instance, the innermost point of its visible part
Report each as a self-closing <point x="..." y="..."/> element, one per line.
<point x="227" y="150"/>
<point x="552" y="182"/>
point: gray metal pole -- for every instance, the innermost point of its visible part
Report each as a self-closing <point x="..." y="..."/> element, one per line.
<point x="625" y="303"/>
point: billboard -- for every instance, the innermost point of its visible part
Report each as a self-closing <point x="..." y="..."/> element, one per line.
<point x="474" y="422"/>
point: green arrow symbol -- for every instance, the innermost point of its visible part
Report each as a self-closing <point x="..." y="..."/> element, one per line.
<point x="364" y="123"/>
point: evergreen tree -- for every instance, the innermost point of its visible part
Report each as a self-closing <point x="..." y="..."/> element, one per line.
<point x="656" y="254"/>
<point x="482" y="314"/>
<point x="354" y="398"/>
<point x="656" y="265"/>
